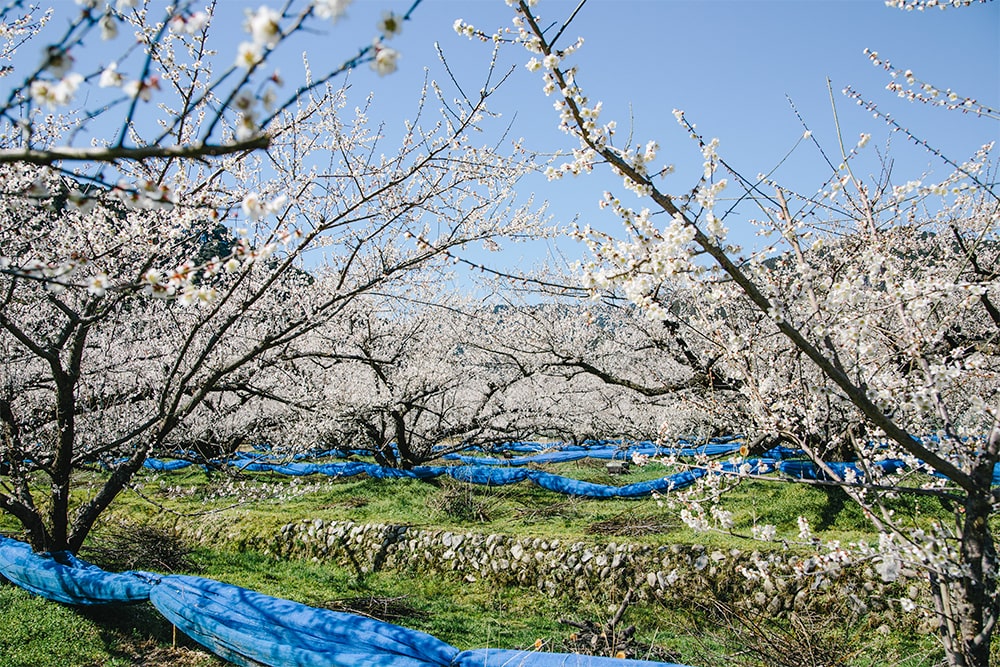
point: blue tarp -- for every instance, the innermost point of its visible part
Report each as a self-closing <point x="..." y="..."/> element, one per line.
<point x="567" y="453"/>
<point x="487" y="475"/>
<point x="572" y="487"/>
<point x="252" y="629"/>
<point x="491" y="471"/>
<point x="166" y="465"/>
<point x="809" y="470"/>
<point x="675" y="482"/>
<point x="248" y="628"/>
<point x="67" y="579"/>
<point x="500" y="475"/>
<point x="550" y="457"/>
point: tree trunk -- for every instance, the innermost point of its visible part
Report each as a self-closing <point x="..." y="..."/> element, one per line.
<point x="62" y="464"/>
<point x="978" y="605"/>
<point x="967" y="605"/>
<point x="402" y="443"/>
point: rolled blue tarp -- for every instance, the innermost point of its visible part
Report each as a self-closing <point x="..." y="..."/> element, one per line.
<point x="567" y="453"/>
<point x="488" y="476"/>
<point x="166" y="465"/>
<point x="572" y="487"/>
<point x="417" y="472"/>
<point x="64" y="578"/>
<point x="251" y="628"/>
<point x="295" y="469"/>
<point x="809" y="470"/>
<point x="675" y="482"/>
<point x="549" y="457"/>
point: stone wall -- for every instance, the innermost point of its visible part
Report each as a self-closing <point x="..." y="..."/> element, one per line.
<point x="773" y="582"/>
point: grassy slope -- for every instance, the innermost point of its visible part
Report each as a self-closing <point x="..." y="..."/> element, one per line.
<point x="261" y="504"/>
<point x="466" y="615"/>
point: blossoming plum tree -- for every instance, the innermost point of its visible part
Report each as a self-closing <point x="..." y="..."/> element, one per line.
<point x="395" y="377"/>
<point x="412" y="379"/>
<point x="873" y="312"/>
<point x="611" y="371"/>
<point x="156" y="277"/>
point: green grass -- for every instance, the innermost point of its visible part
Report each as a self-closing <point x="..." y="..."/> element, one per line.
<point x="260" y="503"/>
<point x="232" y="511"/>
<point x="38" y="633"/>
<point x="35" y="632"/>
<point x="257" y="505"/>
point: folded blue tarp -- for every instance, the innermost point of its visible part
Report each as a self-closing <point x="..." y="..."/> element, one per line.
<point x="253" y="629"/>
<point x="675" y="482"/>
<point x="265" y="460"/>
<point x="250" y="628"/>
<point x="549" y="457"/>
<point x="809" y="470"/>
<point x="563" y="454"/>
<point x="491" y="476"/>
<point x="418" y="472"/>
<point x="67" y="579"/>
<point x="487" y="475"/>
<point x="782" y="452"/>
<point x="497" y="472"/>
<point x="572" y="487"/>
<point x="166" y="465"/>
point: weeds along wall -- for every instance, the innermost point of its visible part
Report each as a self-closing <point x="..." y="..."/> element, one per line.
<point x="770" y="582"/>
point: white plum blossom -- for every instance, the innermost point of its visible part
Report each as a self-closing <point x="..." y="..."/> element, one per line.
<point x="110" y="77"/>
<point x="80" y="201"/>
<point x="330" y="9"/>
<point x="888" y="567"/>
<point x="156" y="286"/>
<point x="805" y="532"/>
<point x="189" y="24"/>
<point x="142" y="90"/>
<point x="249" y="55"/>
<point x="390" y="25"/>
<point x="767" y="532"/>
<point x="109" y="27"/>
<point x="246" y="127"/>
<point x="193" y="295"/>
<point x="385" y="60"/>
<point x="55" y="94"/>
<point x="58" y="61"/>
<point x="694" y="521"/>
<point x="723" y="517"/>
<point x="98" y="284"/>
<point x="256" y="209"/>
<point x="264" y="26"/>
<point x="253" y="207"/>
<point x="268" y="98"/>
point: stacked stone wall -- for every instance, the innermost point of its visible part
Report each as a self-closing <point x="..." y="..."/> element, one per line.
<point x="771" y="582"/>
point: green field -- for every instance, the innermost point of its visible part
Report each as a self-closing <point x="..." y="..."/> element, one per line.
<point x="698" y="629"/>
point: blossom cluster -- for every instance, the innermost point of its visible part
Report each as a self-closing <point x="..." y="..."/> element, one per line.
<point x="907" y="86"/>
<point x="921" y="5"/>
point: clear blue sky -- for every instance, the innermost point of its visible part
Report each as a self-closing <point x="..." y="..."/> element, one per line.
<point x="729" y="64"/>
